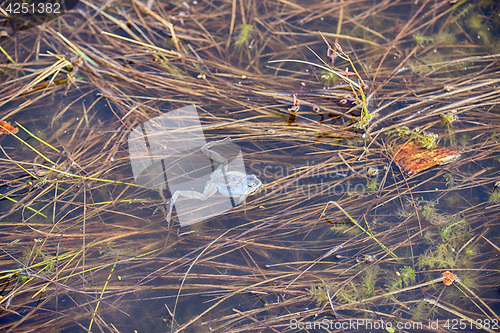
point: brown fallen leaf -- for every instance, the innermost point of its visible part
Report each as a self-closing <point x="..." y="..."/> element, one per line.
<point x="7" y="128"/>
<point x="449" y="278"/>
<point x="412" y="159"/>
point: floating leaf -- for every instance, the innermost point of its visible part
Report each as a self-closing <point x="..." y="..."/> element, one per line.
<point x="7" y="128"/>
<point x="412" y="159"/>
<point x="449" y="277"/>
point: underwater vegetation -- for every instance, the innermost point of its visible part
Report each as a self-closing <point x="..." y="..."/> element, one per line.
<point x="38" y="256"/>
<point x="319" y="294"/>
<point x="451" y="228"/>
<point x="408" y="276"/>
<point x="369" y="280"/>
<point x="372" y="184"/>
<point x="444" y="38"/>
<point x="455" y="226"/>
<point x="423" y="310"/>
<point x="328" y="78"/>
<point x="441" y="257"/>
<point x="448" y="237"/>
<point x="449" y="179"/>
<point x="427" y="63"/>
<point x="405" y="277"/>
<point x="244" y="36"/>
<point x="425" y="139"/>
<point x="494" y="197"/>
<point x="349" y="293"/>
<point x="430" y="213"/>
<point x="448" y="120"/>
<point x="482" y="28"/>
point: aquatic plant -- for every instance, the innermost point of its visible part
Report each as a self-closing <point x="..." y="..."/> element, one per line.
<point x="369" y="280"/>
<point x="424" y="139"/>
<point x="339" y="227"/>
<point x="495" y="137"/>
<point x="441" y="257"/>
<point x="444" y="37"/>
<point x="38" y="256"/>
<point x="431" y="214"/>
<point x="452" y="200"/>
<point x="393" y="284"/>
<point x="422" y="39"/>
<point x="348" y="294"/>
<point x="470" y="251"/>
<point x="448" y="119"/>
<point x="245" y="32"/>
<point x="403" y="278"/>
<point x="405" y="211"/>
<point x="427" y="63"/>
<point x="319" y="295"/>
<point x="372" y="184"/>
<point x="450" y="181"/>
<point x="407" y="275"/>
<point x="469" y="279"/>
<point x="423" y="311"/>
<point x="454" y="227"/>
<point x="494" y="197"/>
<point x="328" y="78"/>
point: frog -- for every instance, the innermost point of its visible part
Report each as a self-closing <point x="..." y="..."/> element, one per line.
<point x="233" y="184"/>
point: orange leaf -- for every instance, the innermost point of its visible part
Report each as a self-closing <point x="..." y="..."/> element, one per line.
<point x="7" y="128"/>
<point x="412" y="159"/>
<point x="449" y="277"/>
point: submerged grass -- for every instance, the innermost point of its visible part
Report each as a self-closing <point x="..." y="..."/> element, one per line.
<point x="83" y="247"/>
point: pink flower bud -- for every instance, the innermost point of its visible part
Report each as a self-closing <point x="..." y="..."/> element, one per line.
<point x="338" y="48"/>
